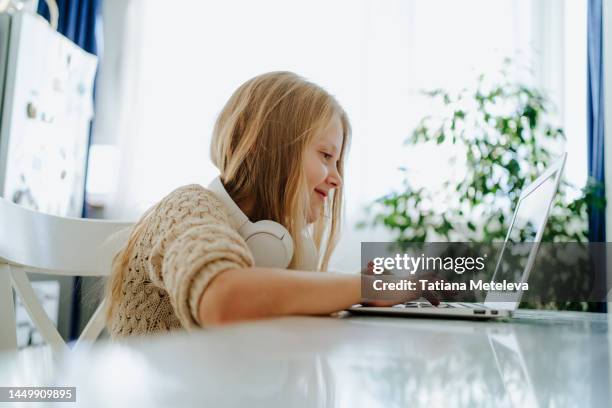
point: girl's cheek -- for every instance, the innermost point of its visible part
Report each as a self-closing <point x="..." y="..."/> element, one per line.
<point x="323" y="174"/>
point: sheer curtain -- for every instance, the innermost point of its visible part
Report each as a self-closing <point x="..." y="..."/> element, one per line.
<point x="176" y="66"/>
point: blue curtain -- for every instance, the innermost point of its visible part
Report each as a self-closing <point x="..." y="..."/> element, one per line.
<point x="595" y="114"/>
<point x="77" y="21"/>
<point x="595" y="123"/>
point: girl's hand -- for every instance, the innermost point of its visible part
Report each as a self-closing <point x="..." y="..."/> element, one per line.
<point x="394" y="297"/>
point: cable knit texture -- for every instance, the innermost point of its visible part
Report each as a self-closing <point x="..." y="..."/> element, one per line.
<point x="186" y="242"/>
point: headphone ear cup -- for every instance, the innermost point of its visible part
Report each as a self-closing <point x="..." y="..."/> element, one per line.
<point x="270" y="243"/>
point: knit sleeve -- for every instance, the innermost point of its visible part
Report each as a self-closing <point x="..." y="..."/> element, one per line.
<point x="193" y="243"/>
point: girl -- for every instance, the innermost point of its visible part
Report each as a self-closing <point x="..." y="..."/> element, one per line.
<point x="279" y="144"/>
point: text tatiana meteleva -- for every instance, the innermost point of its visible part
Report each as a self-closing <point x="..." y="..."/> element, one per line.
<point x="424" y="284"/>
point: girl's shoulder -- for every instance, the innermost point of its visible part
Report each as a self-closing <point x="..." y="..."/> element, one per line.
<point x="184" y="207"/>
<point x="194" y="200"/>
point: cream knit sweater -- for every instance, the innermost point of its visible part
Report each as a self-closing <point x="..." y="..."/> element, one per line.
<point x="186" y="242"/>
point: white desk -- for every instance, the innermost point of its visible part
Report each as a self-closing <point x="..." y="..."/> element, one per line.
<point x="560" y="359"/>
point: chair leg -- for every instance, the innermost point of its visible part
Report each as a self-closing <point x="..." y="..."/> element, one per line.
<point x="37" y="313"/>
<point x="8" y="334"/>
<point x="94" y="326"/>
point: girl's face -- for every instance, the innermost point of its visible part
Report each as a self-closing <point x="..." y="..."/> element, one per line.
<point x="321" y="159"/>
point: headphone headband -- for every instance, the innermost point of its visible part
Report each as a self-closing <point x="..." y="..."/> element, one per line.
<point x="237" y="217"/>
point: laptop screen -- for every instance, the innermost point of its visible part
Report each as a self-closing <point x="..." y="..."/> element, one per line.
<point x="529" y="215"/>
<point x="531" y="211"/>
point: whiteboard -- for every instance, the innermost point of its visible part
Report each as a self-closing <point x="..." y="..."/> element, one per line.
<point x="46" y="113"/>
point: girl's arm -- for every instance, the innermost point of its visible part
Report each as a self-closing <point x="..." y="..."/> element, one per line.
<point x="255" y="293"/>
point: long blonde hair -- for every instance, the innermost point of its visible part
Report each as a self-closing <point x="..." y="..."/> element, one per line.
<point x="258" y="145"/>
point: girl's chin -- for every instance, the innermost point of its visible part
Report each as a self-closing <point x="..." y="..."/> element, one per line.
<point x="315" y="213"/>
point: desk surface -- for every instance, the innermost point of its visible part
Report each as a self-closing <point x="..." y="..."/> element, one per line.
<point x="549" y="359"/>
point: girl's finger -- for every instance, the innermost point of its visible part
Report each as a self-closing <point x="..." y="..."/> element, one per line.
<point x="431" y="297"/>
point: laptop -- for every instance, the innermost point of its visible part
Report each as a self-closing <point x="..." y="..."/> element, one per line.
<point x="528" y="222"/>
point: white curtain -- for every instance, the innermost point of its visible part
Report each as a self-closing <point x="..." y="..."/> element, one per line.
<point x="170" y="67"/>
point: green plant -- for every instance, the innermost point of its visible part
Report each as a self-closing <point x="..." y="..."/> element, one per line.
<point x="502" y="133"/>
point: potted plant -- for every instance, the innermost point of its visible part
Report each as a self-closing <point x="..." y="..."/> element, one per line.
<point x="502" y="134"/>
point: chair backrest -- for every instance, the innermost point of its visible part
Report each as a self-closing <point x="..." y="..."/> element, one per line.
<point x="63" y="245"/>
<point x="36" y="242"/>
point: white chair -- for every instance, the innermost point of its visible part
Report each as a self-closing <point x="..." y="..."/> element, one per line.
<point x="35" y="242"/>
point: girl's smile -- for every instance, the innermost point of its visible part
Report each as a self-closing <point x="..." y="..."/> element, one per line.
<point x="321" y="194"/>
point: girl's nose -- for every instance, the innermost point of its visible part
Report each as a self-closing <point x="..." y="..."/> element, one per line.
<point x="335" y="180"/>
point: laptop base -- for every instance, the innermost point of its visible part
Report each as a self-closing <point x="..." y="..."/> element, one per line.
<point x="441" y="312"/>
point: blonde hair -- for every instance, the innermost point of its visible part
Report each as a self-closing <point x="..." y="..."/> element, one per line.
<point x="258" y="145"/>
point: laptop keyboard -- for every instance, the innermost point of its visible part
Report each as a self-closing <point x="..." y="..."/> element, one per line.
<point x="423" y="305"/>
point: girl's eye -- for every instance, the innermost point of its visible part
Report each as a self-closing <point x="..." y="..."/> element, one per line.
<point x="326" y="156"/>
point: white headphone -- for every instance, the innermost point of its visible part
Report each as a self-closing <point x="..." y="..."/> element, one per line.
<point x="270" y="242"/>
